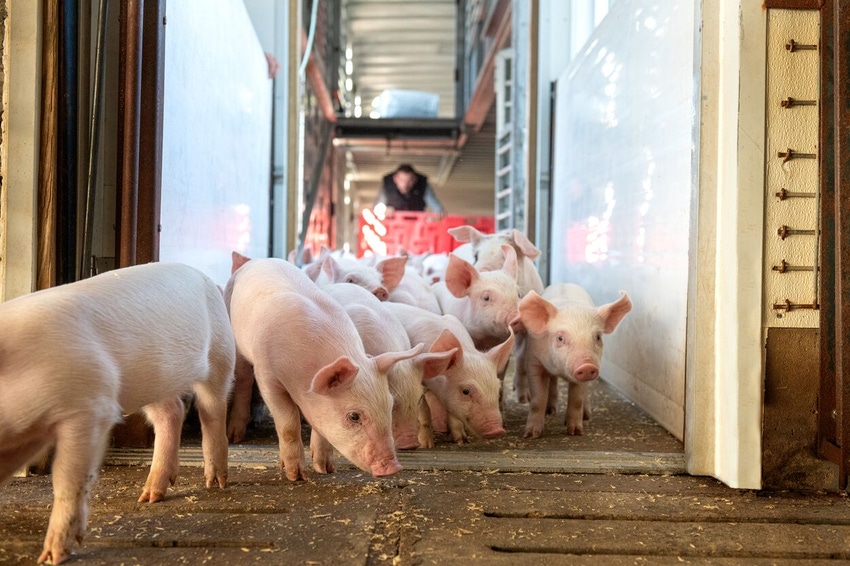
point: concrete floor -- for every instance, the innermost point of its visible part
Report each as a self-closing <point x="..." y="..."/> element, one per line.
<point x="614" y="496"/>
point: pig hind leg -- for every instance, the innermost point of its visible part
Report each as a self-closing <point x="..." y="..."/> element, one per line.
<point x="552" y="403"/>
<point x="80" y="445"/>
<point x="166" y="416"/>
<point x="211" y="400"/>
<point x="240" y="409"/>
<point x="16" y="457"/>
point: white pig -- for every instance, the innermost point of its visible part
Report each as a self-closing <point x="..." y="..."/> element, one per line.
<point x="564" y="340"/>
<point x="91" y="351"/>
<point x="381" y="332"/>
<point x="485" y="252"/>
<point x="379" y="279"/>
<point x="414" y="290"/>
<point x="485" y="302"/>
<point x="469" y="388"/>
<point x="308" y="358"/>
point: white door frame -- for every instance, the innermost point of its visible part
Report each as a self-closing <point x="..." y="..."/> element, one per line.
<point x="21" y="96"/>
<point x="725" y="367"/>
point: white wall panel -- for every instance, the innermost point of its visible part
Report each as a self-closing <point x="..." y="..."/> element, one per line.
<point x="622" y="191"/>
<point x="217" y="136"/>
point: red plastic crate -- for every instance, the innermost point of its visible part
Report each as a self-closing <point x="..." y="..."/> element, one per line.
<point x="416" y="232"/>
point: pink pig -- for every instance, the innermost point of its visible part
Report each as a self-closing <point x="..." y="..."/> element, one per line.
<point x="485" y="302"/>
<point x="485" y="252"/>
<point x="469" y="388"/>
<point x="564" y="340"/>
<point x="308" y="358"/>
<point x="379" y="279"/>
<point x="415" y="290"/>
<point x="91" y="351"/>
<point x="381" y="332"/>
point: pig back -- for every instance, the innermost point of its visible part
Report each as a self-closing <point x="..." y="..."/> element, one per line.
<point x="160" y="324"/>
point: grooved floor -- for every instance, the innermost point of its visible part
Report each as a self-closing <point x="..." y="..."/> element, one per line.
<point x="615" y="496"/>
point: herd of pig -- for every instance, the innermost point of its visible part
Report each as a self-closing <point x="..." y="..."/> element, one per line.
<point x="375" y="354"/>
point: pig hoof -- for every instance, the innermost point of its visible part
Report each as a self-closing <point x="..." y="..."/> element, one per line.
<point x="220" y="479"/>
<point x="532" y="434"/>
<point x="235" y="436"/>
<point x="52" y="557"/>
<point x="151" y="496"/>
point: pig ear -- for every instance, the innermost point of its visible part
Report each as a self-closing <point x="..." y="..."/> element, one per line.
<point x="391" y="270"/>
<point x="448" y="341"/>
<point x="465" y="234"/>
<point x="460" y="275"/>
<point x="238" y="260"/>
<point x="313" y="270"/>
<point x="334" y="377"/>
<point x="331" y="268"/>
<point x="435" y="363"/>
<point x="613" y="313"/>
<point x="524" y="244"/>
<point x="510" y="260"/>
<point x="535" y="312"/>
<point x="502" y="353"/>
<point x="385" y="361"/>
<point x="307" y="256"/>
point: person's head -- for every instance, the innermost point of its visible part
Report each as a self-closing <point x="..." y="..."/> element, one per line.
<point x="405" y="178"/>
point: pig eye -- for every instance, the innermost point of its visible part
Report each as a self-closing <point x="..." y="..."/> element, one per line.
<point x="599" y="337"/>
<point x="466" y="391"/>
<point x="475" y="257"/>
<point x="354" y="417"/>
<point x="486" y="297"/>
<point x="351" y="279"/>
<point x="561" y="339"/>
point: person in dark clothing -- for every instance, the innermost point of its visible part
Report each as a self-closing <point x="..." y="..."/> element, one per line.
<point x="407" y="190"/>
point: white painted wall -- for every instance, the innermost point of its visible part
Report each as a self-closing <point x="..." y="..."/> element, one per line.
<point x="622" y="191"/>
<point x="216" y="139"/>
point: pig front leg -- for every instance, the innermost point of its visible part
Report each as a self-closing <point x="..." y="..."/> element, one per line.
<point x="538" y="389"/>
<point x="80" y="445"/>
<point x="457" y="430"/>
<point x="439" y="417"/>
<point x="426" y="430"/>
<point x="287" y="424"/>
<point x="240" y="410"/>
<point x="576" y="400"/>
<point x="321" y="453"/>
<point x="521" y="387"/>
<point x="166" y="416"/>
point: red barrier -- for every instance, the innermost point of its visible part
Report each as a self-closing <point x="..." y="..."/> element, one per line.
<point x="416" y="232"/>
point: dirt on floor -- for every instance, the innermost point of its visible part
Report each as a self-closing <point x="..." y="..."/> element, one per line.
<point x="505" y="501"/>
<point x="434" y="517"/>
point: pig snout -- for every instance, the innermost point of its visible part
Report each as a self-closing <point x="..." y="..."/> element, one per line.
<point x="383" y="468"/>
<point x="490" y="428"/>
<point x="381" y="293"/>
<point x="494" y="432"/>
<point x="586" y="372"/>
